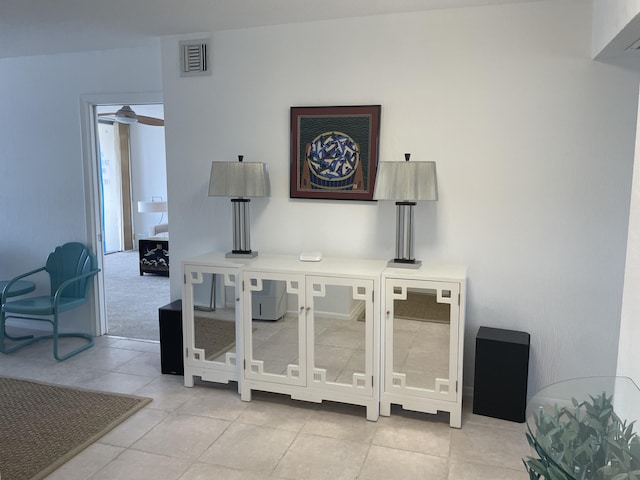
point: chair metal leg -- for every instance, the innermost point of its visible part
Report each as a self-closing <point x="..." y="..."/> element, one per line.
<point x="81" y="348"/>
<point x="4" y="334"/>
<point x="23" y="337"/>
<point x="32" y="339"/>
<point x="57" y="335"/>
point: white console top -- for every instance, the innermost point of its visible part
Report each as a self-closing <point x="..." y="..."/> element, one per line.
<point x="354" y="267"/>
<point x="443" y="273"/>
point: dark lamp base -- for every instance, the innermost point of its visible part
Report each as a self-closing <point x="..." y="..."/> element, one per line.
<point x="402" y="263"/>
<point x="241" y="254"/>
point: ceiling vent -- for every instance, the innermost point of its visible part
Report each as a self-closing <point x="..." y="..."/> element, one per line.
<point x="194" y="58"/>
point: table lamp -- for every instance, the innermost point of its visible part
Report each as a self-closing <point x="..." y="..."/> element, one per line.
<point x="239" y="180"/>
<point x="154" y="206"/>
<point x="406" y="183"/>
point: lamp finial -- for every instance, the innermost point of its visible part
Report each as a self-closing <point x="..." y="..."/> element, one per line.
<point x="407" y="156"/>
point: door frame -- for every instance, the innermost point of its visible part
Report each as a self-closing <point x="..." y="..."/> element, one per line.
<point x="91" y="167"/>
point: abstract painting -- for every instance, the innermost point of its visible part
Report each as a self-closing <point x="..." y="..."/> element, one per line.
<point x="334" y="152"/>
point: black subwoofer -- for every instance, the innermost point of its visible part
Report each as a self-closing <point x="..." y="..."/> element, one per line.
<point x="171" y="358"/>
<point x="501" y="374"/>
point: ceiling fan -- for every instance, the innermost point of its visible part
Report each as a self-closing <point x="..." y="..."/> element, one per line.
<point x="128" y="116"/>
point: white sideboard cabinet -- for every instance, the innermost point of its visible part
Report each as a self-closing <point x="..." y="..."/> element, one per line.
<point x="325" y="347"/>
<point x="344" y="330"/>
<point x="422" y="340"/>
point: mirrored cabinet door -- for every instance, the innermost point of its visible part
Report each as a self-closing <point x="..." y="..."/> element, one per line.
<point x="421" y="338"/>
<point x="274" y="336"/>
<point x="214" y="314"/>
<point x="340" y="320"/>
<point x="211" y="318"/>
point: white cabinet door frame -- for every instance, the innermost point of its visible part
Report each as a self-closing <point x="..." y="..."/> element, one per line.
<point x="362" y="290"/>
<point x="295" y="373"/>
<point x="396" y="382"/>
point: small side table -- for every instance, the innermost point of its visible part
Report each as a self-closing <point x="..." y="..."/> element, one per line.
<point x="154" y="256"/>
<point x="21" y="287"/>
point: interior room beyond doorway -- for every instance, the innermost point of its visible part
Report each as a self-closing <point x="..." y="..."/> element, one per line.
<point x="132" y="173"/>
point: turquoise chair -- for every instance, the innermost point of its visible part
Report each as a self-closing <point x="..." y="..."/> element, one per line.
<point x="71" y="269"/>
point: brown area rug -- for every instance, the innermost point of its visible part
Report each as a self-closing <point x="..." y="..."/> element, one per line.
<point x="422" y="307"/>
<point x="42" y="426"/>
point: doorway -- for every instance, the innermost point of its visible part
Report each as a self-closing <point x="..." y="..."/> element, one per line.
<point x="130" y="171"/>
<point x="113" y="148"/>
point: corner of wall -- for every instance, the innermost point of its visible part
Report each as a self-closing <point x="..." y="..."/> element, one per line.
<point x="615" y="26"/>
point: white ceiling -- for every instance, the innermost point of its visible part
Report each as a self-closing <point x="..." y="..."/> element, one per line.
<point x="41" y="27"/>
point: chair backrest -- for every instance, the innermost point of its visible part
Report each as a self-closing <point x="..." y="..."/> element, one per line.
<point x="68" y="261"/>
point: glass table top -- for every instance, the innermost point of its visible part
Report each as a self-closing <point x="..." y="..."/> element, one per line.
<point x="584" y="429"/>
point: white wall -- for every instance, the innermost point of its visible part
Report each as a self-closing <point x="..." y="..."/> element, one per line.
<point x="533" y="143"/>
<point x="616" y="25"/>
<point x="42" y="193"/>
<point x="628" y="352"/>
<point x="148" y="168"/>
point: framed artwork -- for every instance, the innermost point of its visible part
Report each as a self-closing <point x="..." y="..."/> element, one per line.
<point x="334" y="152"/>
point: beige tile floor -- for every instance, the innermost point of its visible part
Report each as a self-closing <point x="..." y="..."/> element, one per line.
<point x="207" y="432"/>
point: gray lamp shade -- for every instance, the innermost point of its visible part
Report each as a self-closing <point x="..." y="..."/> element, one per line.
<point x="239" y="179"/>
<point x="406" y="181"/>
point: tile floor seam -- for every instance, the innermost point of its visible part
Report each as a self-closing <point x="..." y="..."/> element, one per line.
<point x="448" y="456"/>
<point x="150" y="405"/>
<point x="364" y="461"/>
<point x="486" y="464"/>
<point x="186" y="469"/>
<point x="413" y="451"/>
<point x="93" y="475"/>
<point x="188" y="461"/>
<point x="273" y="470"/>
<point x="436" y="457"/>
<point x="133" y="448"/>
<point x="213" y="442"/>
<point x="297" y="435"/>
<point x="457" y="462"/>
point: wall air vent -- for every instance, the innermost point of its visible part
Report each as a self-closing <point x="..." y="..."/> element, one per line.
<point x="635" y="46"/>
<point x="194" y="59"/>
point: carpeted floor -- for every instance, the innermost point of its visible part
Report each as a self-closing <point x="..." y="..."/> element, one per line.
<point x="42" y="426"/>
<point x="133" y="300"/>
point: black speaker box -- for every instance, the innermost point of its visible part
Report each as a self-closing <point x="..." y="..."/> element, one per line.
<point x="171" y="357"/>
<point x="501" y="374"/>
